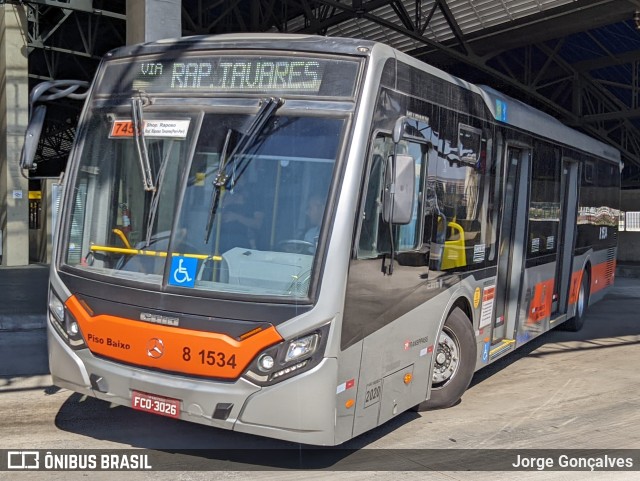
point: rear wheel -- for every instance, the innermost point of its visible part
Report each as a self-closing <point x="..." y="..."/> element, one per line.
<point x="576" y="323"/>
<point x="454" y="362"/>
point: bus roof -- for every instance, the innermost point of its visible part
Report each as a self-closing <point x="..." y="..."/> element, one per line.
<point x="516" y="113"/>
<point x="237" y="41"/>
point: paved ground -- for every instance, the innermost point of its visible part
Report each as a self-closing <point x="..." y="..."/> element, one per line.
<point x="562" y="391"/>
<point x="23" y="296"/>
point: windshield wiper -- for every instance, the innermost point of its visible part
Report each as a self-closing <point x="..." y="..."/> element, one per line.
<point x="141" y="145"/>
<point x="218" y="183"/>
<point x="223" y="179"/>
<point x="155" y="196"/>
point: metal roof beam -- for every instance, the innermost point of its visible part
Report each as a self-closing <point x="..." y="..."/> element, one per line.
<point x="625" y="114"/>
<point x="547" y="25"/>
<point x="347" y="12"/>
<point x="453" y="25"/>
<point x="66" y="14"/>
<point x="424" y="26"/>
<point x="230" y="8"/>
<point x="308" y="13"/>
<point x="604" y="62"/>
<point x="77" y="5"/>
<point x="550" y="59"/>
<point x="403" y="15"/>
<point x="49" y="48"/>
<point x="613" y="108"/>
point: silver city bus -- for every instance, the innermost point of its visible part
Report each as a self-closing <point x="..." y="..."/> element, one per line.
<point x="302" y="237"/>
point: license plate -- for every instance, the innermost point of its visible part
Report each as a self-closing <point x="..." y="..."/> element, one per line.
<point x="151" y="403"/>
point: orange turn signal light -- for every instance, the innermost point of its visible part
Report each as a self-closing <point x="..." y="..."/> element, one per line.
<point x="407" y="378"/>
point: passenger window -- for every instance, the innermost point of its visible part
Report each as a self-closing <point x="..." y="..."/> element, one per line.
<point x="464" y="233"/>
<point x="544" y="207"/>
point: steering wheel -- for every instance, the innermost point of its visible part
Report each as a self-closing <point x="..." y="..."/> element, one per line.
<point x="296" y="246"/>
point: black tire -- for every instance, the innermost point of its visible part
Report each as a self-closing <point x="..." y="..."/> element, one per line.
<point x="447" y="388"/>
<point x="575" y="323"/>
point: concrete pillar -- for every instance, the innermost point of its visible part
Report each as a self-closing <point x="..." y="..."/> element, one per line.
<point x="150" y="20"/>
<point x="14" y="114"/>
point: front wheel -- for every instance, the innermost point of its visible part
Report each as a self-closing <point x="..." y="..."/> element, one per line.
<point x="454" y="362"/>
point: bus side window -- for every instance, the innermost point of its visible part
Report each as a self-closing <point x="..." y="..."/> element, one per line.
<point x="374" y="233"/>
<point x="463" y="234"/>
<point x="368" y="245"/>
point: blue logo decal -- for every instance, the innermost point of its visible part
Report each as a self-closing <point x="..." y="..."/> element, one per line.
<point x="183" y="271"/>
<point x="485" y="352"/>
<point x="501" y="110"/>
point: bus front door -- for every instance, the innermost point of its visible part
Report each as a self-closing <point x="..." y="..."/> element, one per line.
<point x="511" y="249"/>
<point x="566" y="235"/>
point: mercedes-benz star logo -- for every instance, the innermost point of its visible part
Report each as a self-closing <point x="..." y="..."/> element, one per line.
<point x="155" y="348"/>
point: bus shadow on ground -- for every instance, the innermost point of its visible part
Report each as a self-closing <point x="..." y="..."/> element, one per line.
<point x="98" y="419"/>
<point x="180" y="445"/>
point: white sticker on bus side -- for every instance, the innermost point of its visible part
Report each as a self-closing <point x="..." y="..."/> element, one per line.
<point x="486" y="311"/>
<point x="478" y="253"/>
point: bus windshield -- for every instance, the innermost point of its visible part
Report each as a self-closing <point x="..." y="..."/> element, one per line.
<point x="205" y="200"/>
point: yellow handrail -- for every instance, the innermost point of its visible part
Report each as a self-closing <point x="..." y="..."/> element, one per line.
<point x="122" y="237"/>
<point x="454" y="253"/>
<point x="139" y="252"/>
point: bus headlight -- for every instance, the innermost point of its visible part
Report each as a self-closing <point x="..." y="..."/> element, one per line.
<point x="73" y="328"/>
<point x="265" y="363"/>
<point x="56" y="307"/>
<point x="301" y="347"/>
<point x="288" y="358"/>
<point x="64" y="323"/>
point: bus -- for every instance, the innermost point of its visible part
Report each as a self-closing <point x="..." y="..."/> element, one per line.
<point x="302" y="237"/>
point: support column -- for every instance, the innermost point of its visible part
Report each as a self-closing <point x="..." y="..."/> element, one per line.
<point x="14" y="113"/>
<point x="150" y="20"/>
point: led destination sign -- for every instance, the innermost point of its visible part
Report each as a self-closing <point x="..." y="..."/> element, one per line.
<point x="237" y="74"/>
<point x="249" y="74"/>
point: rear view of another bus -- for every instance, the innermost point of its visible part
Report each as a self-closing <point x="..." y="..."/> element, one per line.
<point x="195" y="227"/>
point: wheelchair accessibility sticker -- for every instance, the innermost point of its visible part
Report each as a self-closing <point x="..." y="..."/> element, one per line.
<point x="183" y="271"/>
<point x="485" y="351"/>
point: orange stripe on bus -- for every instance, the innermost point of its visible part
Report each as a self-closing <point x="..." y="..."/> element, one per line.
<point x="576" y="279"/>
<point x="168" y="348"/>
<point x="540" y="307"/>
<point x="602" y="275"/>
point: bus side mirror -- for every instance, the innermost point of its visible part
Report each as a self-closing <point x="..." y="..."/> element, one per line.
<point x="398" y="130"/>
<point x="32" y="137"/>
<point x="399" y="192"/>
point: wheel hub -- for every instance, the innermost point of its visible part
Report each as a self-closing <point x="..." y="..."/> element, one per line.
<point x="447" y="359"/>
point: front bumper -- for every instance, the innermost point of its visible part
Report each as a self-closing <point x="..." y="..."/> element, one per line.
<point x="300" y="409"/>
